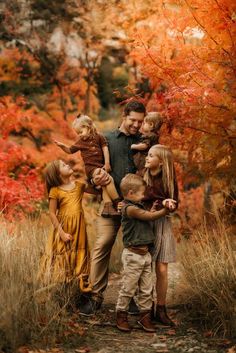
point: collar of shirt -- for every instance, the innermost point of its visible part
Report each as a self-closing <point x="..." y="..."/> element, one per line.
<point x="119" y="133"/>
<point x="139" y="204"/>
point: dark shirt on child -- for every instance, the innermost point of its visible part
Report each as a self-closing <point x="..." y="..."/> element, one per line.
<point x="138" y="235"/>
<point x="156" y="192"/>
<point x="91" y="152"/>
<point x="140" y="156"/>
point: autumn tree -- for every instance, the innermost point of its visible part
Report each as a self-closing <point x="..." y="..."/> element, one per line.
<point x="186" y="50"/>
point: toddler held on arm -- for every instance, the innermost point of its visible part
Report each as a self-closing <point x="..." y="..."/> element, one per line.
<point x="95" y="154"/>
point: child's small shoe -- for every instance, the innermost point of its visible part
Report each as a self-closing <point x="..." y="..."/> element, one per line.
<point x="162" y="317"/>
<point x="109" y="210"/>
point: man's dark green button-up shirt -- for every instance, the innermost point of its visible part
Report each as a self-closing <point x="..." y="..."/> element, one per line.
<point x="121" y="155"/>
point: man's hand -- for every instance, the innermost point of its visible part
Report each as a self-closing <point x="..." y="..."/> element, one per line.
<point x="120" y="205"/>
<point x="101" y="178"/>
<point x="65" y="236"/>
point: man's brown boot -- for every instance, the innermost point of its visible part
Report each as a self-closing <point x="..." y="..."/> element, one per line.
<point x="145" y="321"/>
<point x="162" y="316"/>
<point x="122" y="321"/>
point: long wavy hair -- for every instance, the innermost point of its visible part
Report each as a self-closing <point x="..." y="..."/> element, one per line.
<point x="52" y="175"/>
<point x="166" y="156"/>
<point x="84" y="120"/>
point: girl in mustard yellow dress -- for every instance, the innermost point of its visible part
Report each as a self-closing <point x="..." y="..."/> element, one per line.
<point x="66" y="255"/>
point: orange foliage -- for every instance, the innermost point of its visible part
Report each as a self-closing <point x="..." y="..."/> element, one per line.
<point x="187" y="50"/>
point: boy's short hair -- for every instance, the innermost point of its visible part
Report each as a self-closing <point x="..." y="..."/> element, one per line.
<point x="134" y="106"/>
<point x="155" y="119"/>
<point x="131" y="182"/>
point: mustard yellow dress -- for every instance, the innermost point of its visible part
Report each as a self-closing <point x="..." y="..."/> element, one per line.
<point x="66" y="261"/>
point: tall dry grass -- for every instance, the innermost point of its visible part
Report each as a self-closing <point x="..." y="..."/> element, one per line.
<point x="26" y="309"/>
<point x="209" y="274"/>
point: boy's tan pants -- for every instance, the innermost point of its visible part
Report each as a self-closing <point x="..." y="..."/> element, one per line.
<point x="137" y="273"/>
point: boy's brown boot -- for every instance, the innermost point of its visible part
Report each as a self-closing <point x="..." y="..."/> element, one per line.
<point x="145" y="321"/>
<point x="162" y="316"/>
<point x="122" y="321"/>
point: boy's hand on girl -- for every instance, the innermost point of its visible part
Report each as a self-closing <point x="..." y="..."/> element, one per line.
<point x="66" y="237"/>
<point x="170" y="204"/>
<point x="154" y="206"/>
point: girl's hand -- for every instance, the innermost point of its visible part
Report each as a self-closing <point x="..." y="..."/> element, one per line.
<point x="107" y="167"/>
<point x="170" y="204"/>
<point x="58" y="143"/>
<point x="65" y="236"/>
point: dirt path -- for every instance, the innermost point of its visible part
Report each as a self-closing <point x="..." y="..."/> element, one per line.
<point x="99" y="334"/>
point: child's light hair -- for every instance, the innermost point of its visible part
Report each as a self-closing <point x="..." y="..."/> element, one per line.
<point x="166" y="156"/>
<point x="131" y="182"/>
<point x="155" y="119"/>
<point x="52" y="175"/>
<point x="84" y="121"/>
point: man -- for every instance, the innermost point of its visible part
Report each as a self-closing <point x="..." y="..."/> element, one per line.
<point x="121" y="159"/>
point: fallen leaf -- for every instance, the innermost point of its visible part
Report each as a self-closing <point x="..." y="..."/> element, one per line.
<point x="171" y="332"/>
<point x="82" y="350"/>
<point x="162" y="338"/>
<point x="208" y="334"/>
<point x="179" y="343"/>
<point x="23" y="349"/>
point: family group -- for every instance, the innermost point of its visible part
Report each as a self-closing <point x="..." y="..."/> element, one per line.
<point x="136" y="177"/>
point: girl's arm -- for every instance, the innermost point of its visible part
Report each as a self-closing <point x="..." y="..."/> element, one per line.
<point x="56" y="224"/>
<point x="143" y="215"/>
<point x="106" y="155"/>
<point x="139" y="146"/>
<point x="64" y="147"/>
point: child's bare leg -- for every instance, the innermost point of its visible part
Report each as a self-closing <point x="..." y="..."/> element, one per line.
<point x="161" y="282"/>
<point x="110" y="191"/>
<point x="110" y="197"/>
<point x="105" y="196"/>
<point x="161" y="288"/>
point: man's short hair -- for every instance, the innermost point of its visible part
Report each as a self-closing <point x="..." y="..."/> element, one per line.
<point x="131" y="182"/>
<point x="134" y="106"/>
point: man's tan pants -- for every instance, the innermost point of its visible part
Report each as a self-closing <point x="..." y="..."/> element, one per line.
<point x="107" y="229"/>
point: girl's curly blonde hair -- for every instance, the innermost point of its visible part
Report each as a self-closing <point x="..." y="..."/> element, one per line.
<point x="84" y="121"/>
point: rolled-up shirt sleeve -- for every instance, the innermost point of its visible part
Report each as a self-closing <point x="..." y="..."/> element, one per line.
<point x="143" y="215"/>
